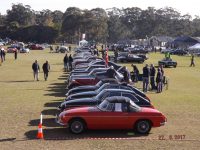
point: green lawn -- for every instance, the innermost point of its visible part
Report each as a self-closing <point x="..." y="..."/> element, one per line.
<point x="22" y="100"/>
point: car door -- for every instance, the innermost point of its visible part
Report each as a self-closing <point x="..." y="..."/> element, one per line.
<point x="115" y="119"/>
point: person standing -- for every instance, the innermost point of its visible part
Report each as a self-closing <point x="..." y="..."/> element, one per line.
<point x="1" y="54"/>
<point x="192" y="61"/>
<point x="146" y="73"/>
<point x="152" y="77"/>
<point x="116" y="54"/>
<point x="159" y="80"/>
<point x="15" y="54"/>
<point x="111" y="73"/>
<point x="70" y="48"/>
<point x="70" y="62"/>
<point x="126" y="75"/>
<point x="135" y="73"/>
<point x="66" y="61"/>
<point x="46" y="69"/>
<point x="36" y="70"/>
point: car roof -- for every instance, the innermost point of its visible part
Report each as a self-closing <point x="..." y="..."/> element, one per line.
<point x="117" y="90"/>
<point x="118" y="99"/>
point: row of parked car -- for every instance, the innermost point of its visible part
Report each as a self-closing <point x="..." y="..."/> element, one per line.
<point x="94" y="101"/>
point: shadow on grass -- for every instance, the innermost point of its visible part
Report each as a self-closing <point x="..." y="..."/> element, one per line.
<point x="53" y="104"/>
<point x="18" y="81"/>
<point x="52" y="112"/>
<point x="57" y="90"/>
<point x="8" y="139"/>
<point x="47" y="122"/>
<point x="64" y="134"/>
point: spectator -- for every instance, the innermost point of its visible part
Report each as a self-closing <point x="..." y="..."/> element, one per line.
<point x="152" y="77"/>
<point x="159" y="80"/>
<point x="1" y="54"/>
<point x="146" y="73"/>
<point x="192" y="61"/>
<point x="66" y="61"/>
<point x="111" y="73"/>
<point x="70" y="48"/>
<point x="51" y="48"/>
<point x="135" y="73"/>
<point x="36" y="70"/>
<point x="126" y="75"/>
<point x="15" y="54"/>
<point x="70" y="62"/>
<point x="46" y="69"/>
<point x="116" y="54"/>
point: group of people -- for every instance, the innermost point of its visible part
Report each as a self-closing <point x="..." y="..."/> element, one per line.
<point x="36" y="70"/>
<point x="68" y="62"/>
<point x="149" y="74"/>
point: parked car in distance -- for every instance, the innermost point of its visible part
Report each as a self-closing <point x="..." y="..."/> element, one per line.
<point x="35" y="47"/>
<point x="167" y="62"/>
<point x="126" y="57"/>
<point x="63" y="49"/>
<point x="24" y="50"/>
<point x="178" y="52"/>
<point x="112" y="113"/>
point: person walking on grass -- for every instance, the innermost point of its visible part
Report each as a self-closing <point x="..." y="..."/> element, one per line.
<point x="15" y="54"/>
<point x="36" y="70"/>
<point x="70" y="62"/>
<point x="66" y="61"/>
<point x="46" y="69"/>
<point x="192" y="61"/>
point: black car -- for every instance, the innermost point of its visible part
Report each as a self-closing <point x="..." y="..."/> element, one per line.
<point x="91" y="93"/>
<point x="127" y="57"/>
<point x="85" y="88"/>
<point x="167" y="62"/>
<point x="178" y="52"/>
<point x="137" y="99"/>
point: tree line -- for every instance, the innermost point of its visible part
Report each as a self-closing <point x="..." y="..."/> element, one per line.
<point x="25" y="24"/>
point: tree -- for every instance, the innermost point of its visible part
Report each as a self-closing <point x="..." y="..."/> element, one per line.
<point x="21" y="14"/>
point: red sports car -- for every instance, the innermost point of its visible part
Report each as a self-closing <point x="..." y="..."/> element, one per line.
<point x="112" y="113"/>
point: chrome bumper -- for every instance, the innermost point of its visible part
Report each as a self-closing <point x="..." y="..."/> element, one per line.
<point x="57" y="120"/>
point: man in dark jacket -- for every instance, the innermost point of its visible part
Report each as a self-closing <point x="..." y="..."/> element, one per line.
<point x="36" y="69"/>
<point x="146" y="73"/>
<point x="111" y="73"/>
<point x="70" y="62"/>
<point x="159" y="78"/>
<point x="152" y="76"/>
<point x="46" y="68"/>
<point x="66" y="60"/>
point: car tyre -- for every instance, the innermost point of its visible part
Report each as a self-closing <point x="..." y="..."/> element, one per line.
<point x="76" y="126"/>
<point x="143" y="126"/>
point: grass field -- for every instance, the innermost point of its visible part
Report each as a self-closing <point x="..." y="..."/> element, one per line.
<point x="22" y="100"/>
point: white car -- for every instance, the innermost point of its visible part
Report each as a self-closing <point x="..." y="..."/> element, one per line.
<point x="24" y="50"/>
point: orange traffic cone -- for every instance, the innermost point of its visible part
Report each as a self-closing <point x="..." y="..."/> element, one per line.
<point x="40" y="133"/>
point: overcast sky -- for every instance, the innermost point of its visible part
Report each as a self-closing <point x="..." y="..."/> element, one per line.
<point x="184" y="6"/>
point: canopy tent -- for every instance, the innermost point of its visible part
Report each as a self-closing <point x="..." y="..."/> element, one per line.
<point x="196" y="46"/>
<point x="83" y="43"/>
<point x="184" y="42"/>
